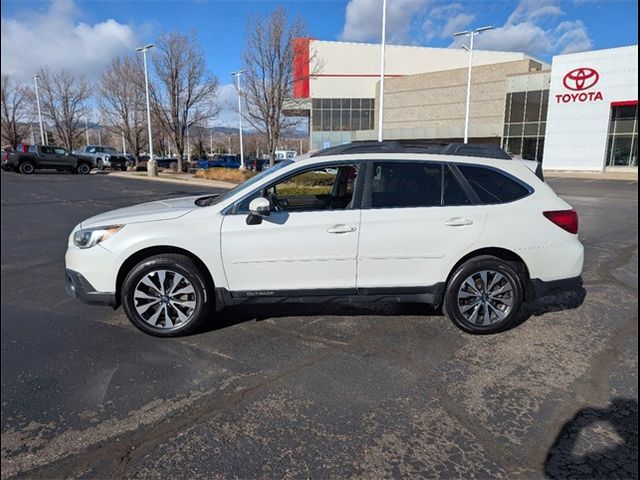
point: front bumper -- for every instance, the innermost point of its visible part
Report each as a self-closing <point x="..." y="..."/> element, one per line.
<point x="79" y="287"/>
<point x="541" y="288"/>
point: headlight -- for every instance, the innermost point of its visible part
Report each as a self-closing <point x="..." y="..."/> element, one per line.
<point x="89" y="237"/>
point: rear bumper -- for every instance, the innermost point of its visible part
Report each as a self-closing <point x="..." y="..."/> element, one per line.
<point x="541" y="288"/>
<point x="79" y="288"/>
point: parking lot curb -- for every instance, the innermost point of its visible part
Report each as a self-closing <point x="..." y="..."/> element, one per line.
<point x="183" y="180"/>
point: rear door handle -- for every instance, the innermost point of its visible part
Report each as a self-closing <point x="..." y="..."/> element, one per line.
<point x="341" y="228"/>
<point x="458" y="222"/>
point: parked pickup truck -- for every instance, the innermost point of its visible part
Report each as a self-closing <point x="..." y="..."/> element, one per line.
<point x="220" y="161"/>
<point x="103" y="157"/>
<point x="28" y="159"/>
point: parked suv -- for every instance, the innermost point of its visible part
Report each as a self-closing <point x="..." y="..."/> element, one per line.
<point x="458" y="226"/>
<point x="103" y="157"/>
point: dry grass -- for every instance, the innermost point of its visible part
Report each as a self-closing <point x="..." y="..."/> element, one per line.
<point x="225" y="174"/>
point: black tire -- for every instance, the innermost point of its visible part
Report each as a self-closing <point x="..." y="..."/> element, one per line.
<point x="83" y="168"/>
<point x="123" y="168"/>
<point x="459" y="295"/>
<point x="99" y="164"/>
<point x="27" y="167"/>
<point x="172" y="263"/>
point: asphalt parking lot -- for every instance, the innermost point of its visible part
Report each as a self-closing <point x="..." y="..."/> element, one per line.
<point x="313" y="391"/>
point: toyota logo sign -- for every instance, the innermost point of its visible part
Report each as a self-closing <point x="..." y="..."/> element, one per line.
<point x="581" y="79"/>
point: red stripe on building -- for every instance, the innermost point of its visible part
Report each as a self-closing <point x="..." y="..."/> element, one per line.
<point x="625" y="103"/>
<point x="356" y="75"/>
<point x="301" y="67"/>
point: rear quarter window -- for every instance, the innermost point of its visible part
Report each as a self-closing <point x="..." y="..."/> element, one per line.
<point x="493" y="186"/>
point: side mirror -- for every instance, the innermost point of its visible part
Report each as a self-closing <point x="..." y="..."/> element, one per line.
<point x="260" y="206"/>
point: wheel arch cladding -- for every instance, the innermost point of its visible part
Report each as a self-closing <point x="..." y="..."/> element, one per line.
<point x="503" y="254"/>
<point x="145" y="253"/>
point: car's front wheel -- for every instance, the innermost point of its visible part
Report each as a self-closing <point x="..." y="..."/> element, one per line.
<point x="83" y="168"/>
<point x="167" y="295"/>
<point x="26" y="168"/>
<point x="484" y="295"/>
<point x="100" y="164"/>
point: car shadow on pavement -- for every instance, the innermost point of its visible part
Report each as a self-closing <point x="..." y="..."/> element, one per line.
<point x="246" y="313"/>
<point x="597" y="443"/>
<point x="554" y="302"/>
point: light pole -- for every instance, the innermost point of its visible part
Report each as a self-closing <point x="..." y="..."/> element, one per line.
<point x="470" y="34"/>
<point x="237" y="75"/>
<point x="86" y="129"/>
<point x="381" y="106"/>
<point x="124" y="144"/>
<point x="152" y="169"/>
<point x="42" y="139"/>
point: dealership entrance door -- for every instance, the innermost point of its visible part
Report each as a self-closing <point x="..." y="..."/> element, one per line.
<point x="622" y="145"/>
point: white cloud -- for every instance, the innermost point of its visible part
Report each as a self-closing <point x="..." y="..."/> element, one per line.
<point x="573" y="37"/>
<point x="445" y="20"/>
<point x="533" y="28"/>
<point x="536" y="27"/>
<point x="363" y="20"/>
<point x="228" y="103"/>
<point x="56" y="38"/>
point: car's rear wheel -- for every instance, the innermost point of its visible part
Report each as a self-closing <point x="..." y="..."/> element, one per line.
<point x="83" y="168"/>
<point x="166" y="296"/>
<point x="26" y="168"/>
<point x="484" y="295"/>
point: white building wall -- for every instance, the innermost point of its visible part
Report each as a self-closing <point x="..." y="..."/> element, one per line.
<point x="576" y="137"/>
<point x="351" y="70"/>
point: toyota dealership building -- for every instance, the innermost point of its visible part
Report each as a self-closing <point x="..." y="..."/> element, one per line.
<point x="579" y="113"/>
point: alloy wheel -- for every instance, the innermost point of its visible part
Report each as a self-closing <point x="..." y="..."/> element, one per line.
<point x="165" y="299"/>
<point x="486" y="297"/>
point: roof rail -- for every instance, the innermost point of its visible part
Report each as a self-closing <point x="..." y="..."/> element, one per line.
<point x="416" y="146"/>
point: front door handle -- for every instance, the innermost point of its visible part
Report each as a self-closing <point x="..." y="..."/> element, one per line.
<point x="341" y="228"/>
<point x="458" y="222"/>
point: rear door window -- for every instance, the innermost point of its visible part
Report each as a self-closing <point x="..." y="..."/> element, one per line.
<point x="492" y="186"/>
<point x="406" y="184"/>
<point x="453" y="194"/>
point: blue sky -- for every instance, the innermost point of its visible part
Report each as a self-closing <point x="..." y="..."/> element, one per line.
<point x="83" y="35"/>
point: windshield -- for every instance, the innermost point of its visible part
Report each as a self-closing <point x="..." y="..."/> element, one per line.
<point x="208" y="201"/>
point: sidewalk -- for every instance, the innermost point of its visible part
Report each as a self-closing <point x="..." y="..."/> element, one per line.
<point x="628" y="176"/>
<point x="174" y="178"/>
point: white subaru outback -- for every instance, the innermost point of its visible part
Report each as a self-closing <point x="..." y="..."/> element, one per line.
<point x="459" y="226"/>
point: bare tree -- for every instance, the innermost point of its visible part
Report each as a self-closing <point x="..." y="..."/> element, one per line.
<point x="184" y="92"/>
<point x="269" y="59"/>
<point x="14" y="104"/>
<point x="122" y="101"/>
<point x="64" y="99"/>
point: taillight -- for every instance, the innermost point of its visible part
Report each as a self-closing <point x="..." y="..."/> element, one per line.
<point x="565" y="219"/>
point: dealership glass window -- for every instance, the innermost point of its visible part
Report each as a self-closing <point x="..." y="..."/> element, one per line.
<point x="622" y="145"/>
<point x="514" y="145"/>
<point x="533" y="106"/>
<point x="525" y="123"/>
<point x="342" y="114"/>
<point x="516" y="114"/>
<point x="545" y="104"/>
